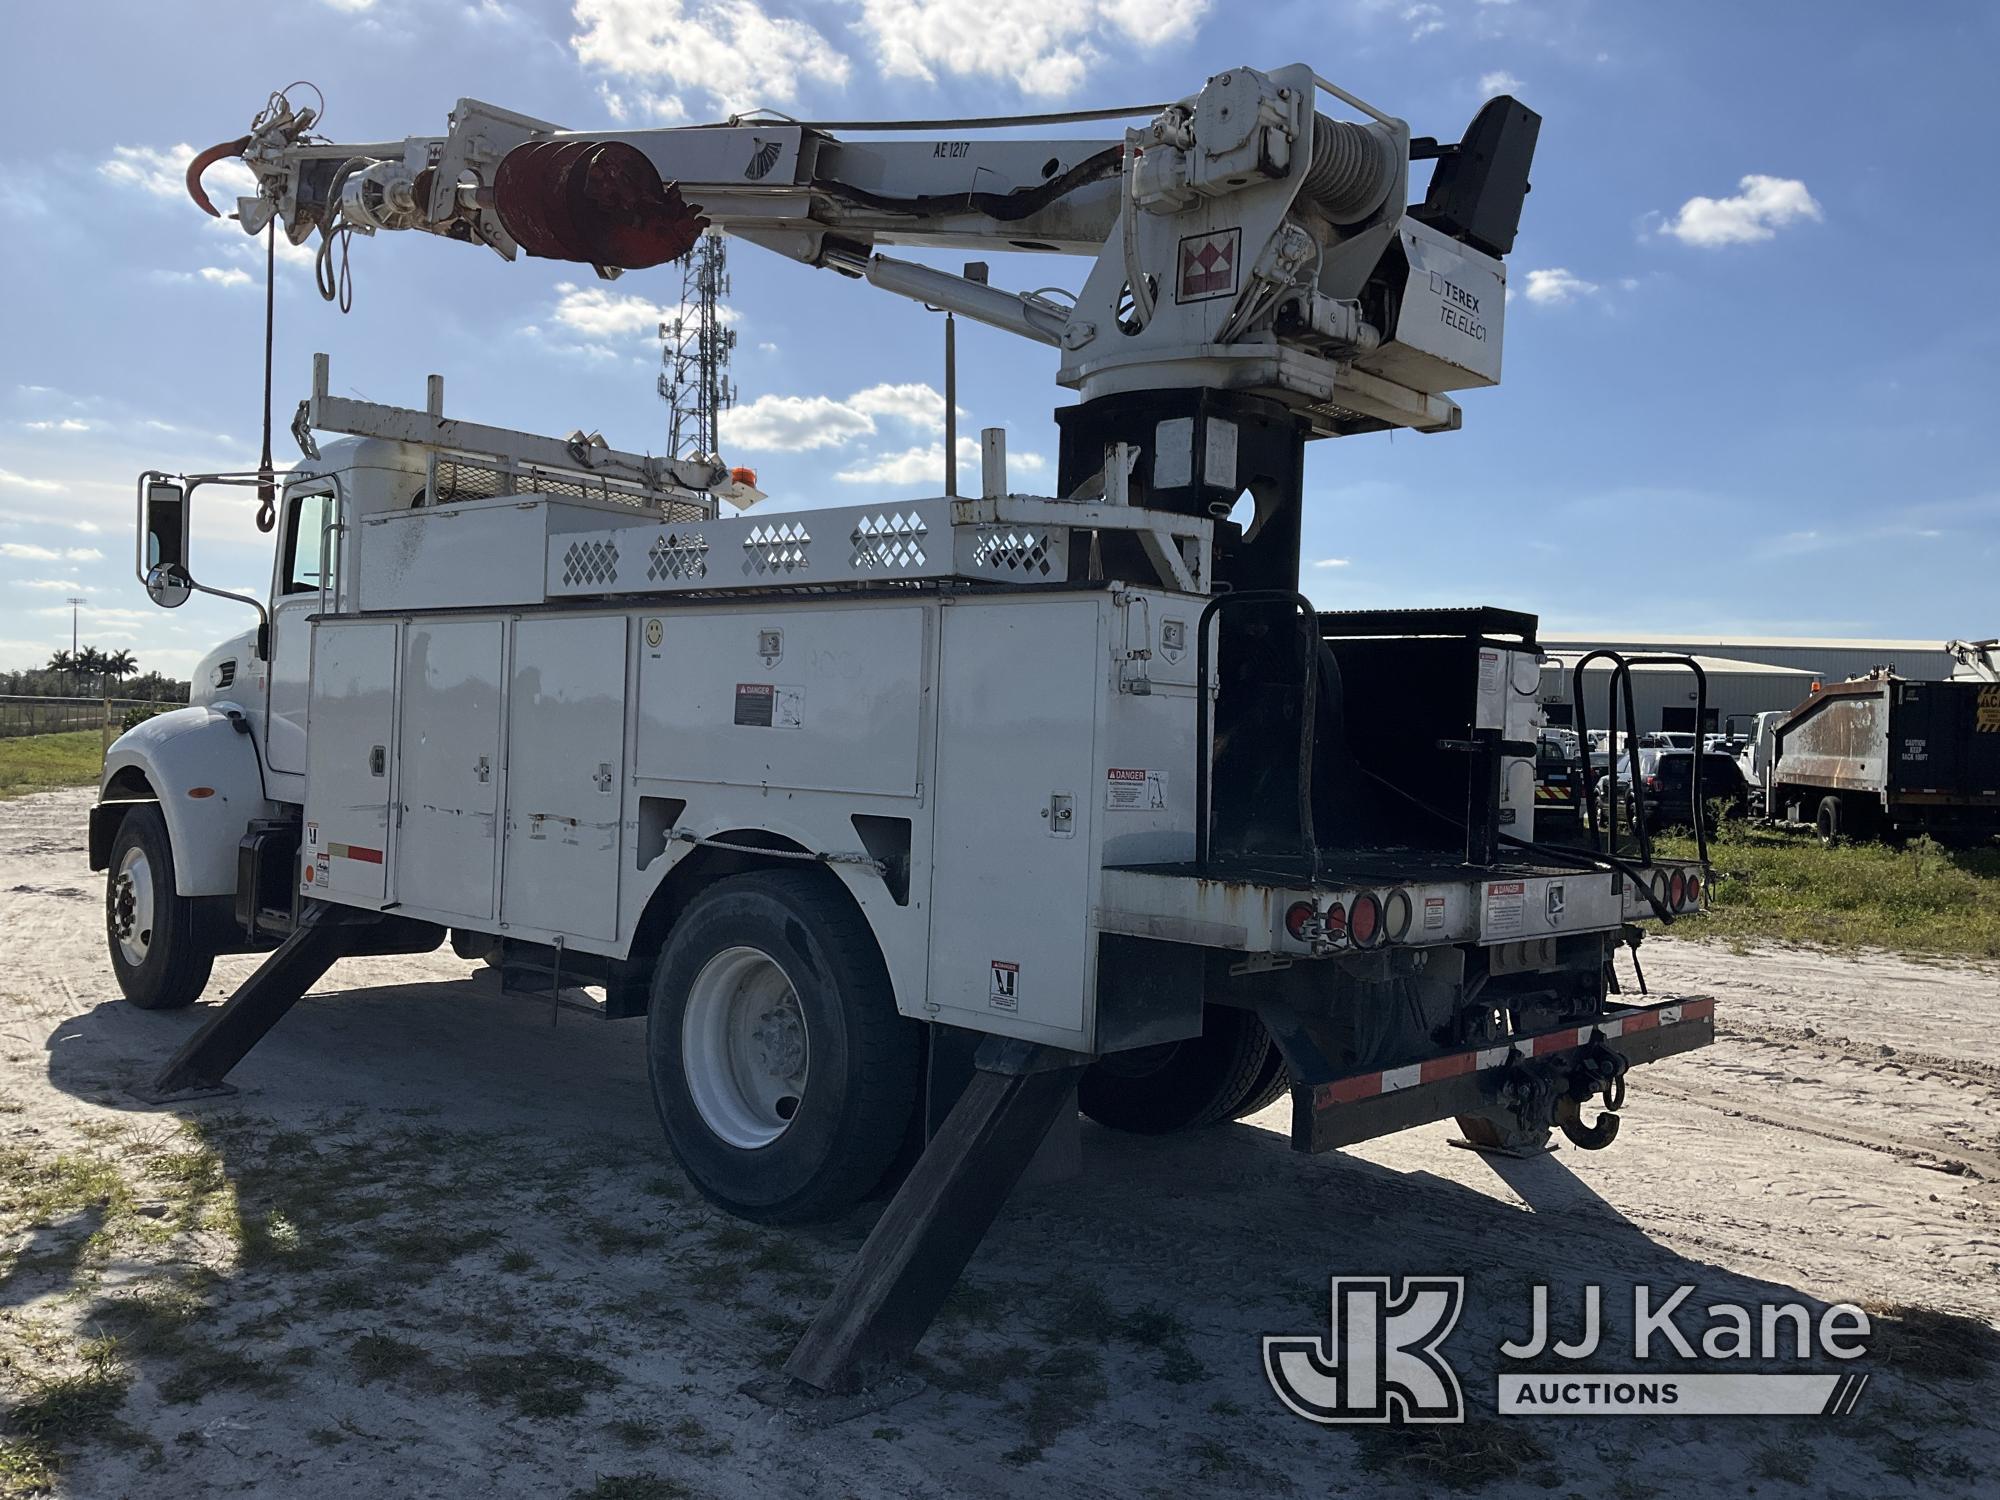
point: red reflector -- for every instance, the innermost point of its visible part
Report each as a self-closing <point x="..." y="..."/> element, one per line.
<point x="1364" y="921"/>
<point x="1296" y="918"/>
<point x="1677" y="889"/>
<point x="1694" y="890"/>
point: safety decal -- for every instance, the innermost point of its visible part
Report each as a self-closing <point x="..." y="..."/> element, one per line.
<point x="770" y="705"/>
<point x="360" y="852"/>
<point x="1004" y="993"/>
<point x="1506" y="907"/>
<point x="1127" y="788"/>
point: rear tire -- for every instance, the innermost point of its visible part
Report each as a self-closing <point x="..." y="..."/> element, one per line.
<point x="1274" y="1081"/>
<point x="1180" y="1085"/>
<point x="783" y="1076"/>
<point x="159" y="953"/>
<point x="1830" y="819"/>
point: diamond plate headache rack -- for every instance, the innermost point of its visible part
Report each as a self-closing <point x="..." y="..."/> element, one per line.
<point x="1013" y="539"/>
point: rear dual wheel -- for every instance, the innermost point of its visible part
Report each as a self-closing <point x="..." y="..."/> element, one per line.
<point x="783" y="1076"/>
<point x="1231" y="1070"/>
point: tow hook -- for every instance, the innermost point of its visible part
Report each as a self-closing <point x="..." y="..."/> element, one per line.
<point x="1597" y="1068"/>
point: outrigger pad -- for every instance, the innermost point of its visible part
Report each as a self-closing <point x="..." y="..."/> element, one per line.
<point x="871" y="1325"/>
<point x="325" y="932"/>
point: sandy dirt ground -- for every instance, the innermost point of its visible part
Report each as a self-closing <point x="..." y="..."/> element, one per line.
<point x="435" y="1246"/>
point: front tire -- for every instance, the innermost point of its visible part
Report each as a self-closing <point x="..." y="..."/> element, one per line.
<point x="158" y="952"/>
<point x="783" y="1076"/>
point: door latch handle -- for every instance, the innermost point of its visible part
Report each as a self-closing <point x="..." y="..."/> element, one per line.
<point x="378" y="760"/>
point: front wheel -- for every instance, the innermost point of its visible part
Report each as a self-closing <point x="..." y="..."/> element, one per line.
<point x="782" y="1073"/>
<point x="158" y="952"/>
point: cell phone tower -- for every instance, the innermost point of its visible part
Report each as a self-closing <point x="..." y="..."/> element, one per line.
<point x="694" y="353"/>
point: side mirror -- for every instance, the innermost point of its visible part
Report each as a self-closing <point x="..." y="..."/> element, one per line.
<point x="167" y="576"/>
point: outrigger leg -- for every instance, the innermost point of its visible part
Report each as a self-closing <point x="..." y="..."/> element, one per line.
<point x="325" y="932"/>
<point x="872" y="1323"/>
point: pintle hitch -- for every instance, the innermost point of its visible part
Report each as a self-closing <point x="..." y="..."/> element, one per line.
<point x="1597" y="1068"/>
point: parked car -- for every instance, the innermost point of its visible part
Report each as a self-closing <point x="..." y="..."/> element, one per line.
<point x="1668" y="791"/>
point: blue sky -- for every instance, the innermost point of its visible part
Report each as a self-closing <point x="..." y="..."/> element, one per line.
<point x="1750" y="349"/>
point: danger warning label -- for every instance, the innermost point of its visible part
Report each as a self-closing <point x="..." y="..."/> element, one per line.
<point x="1135" y="788"/>
<point x="1506" y="908"/>
<point x="770" y="705"/>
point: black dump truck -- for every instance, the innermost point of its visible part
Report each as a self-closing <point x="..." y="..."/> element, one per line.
<point x="1884" y="756"/>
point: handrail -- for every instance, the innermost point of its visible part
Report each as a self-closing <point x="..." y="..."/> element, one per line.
<point x="1309" y="707"/>
<point x="1620" y="685"/>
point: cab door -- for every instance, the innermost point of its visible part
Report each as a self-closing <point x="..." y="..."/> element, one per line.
<point x="295" y="598"/>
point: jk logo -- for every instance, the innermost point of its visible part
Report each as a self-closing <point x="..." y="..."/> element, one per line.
<point x="1381" y="1362"/>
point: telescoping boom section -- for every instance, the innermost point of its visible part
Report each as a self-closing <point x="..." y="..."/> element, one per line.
<point x="937" y="820"/>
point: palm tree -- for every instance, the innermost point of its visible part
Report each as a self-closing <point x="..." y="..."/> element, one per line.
<point x="62" y="661"/>
<point x="117" y="664"/>
<point x="88" y="661"/>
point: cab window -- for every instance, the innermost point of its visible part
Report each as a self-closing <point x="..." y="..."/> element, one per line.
<point x="303" y="535"/>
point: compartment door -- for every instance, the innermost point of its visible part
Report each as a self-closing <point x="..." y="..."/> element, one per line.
<point x="1013" y="862"/>
<point x="347" y="762"/>
<point x="448" y="766"/>
<point x="565" y="776"/>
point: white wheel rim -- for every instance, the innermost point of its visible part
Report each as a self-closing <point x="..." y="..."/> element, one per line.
<point x="132" y="907"/>
<point x="744" y="1047"/>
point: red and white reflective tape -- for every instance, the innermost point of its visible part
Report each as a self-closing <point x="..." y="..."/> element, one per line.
<point x="1438" y="1069"/>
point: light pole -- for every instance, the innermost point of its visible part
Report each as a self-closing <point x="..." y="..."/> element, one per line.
<point x="74" y="605"/>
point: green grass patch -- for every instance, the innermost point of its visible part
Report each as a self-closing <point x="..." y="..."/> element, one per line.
<point x="36" y="762"/>
<point x="1919" y="899"/>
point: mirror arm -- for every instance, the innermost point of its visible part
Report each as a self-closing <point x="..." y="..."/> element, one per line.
<point x="188" y="487"/>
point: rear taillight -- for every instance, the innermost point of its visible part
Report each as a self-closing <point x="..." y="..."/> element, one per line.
<point x="1660" y="886"/>
<point x="1677" y="890"/>
<point x="1397" y="914"/>
<point x="1308" y="925"/>
<point x="1694" y="890"/>
<point x="1364" y="921"/>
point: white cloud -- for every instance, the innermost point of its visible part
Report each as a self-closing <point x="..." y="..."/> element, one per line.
<point x="598" y="314"/>
<point x="58" y="424"/>
<point x="728" y="49"/>
<point x="9" y="480"/>
<point x="793" y="423"/>
<point x="797" y="423"/>
<point x="1500" y="81"/>
<point x="65" y="585"/>
<point x="1330" y="562"/>
<point x="914" y="402"/>
<point x="162" y="171"/>
<point x="1042" y="46"/>
<point x="1556" y="286"/>
<point x="913" y="466"/>
<point x="1762" y="207"/>
<point x="225" y="276"/>
<point x="83" y="554"/>
<point x="1425" y="20"/>
<point x="351" y="6"/>
<point x="29" y="552"/>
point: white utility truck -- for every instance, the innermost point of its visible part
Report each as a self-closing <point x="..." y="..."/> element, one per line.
<point x="913" y="823"/>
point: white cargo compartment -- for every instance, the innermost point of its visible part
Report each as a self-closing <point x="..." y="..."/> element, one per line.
<point x="448" y="766"/>
<point x="565" y="775"/>
<point x="349" y="776"/>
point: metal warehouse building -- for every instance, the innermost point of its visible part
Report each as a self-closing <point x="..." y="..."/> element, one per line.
<point x="1746" y="675"/>
<point x="1663" y="697"/>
